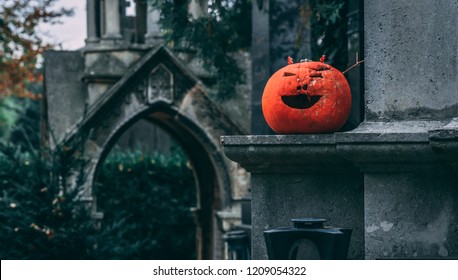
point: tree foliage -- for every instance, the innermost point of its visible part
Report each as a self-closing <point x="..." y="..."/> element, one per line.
<point x="220" y="32"/>
<point x="38" y="220"/>
<point x="146" y="200"/>
<point x="327" y="22"/>
<point x="21" y="45"/>
<point x="329" y="26"/>
<point x="225" y="28"/>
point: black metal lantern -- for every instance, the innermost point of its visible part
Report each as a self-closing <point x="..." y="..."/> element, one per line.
<point x="308" y="239"/>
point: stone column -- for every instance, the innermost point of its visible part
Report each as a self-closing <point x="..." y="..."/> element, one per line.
<point x="153" y="34"/>
<point x="298" y="176"/>
<point x="112" y="20"/>
<point x="411" y="78"/>
<point x="91" y="18"/>
<point x="409" y="193"/>
<point x="141" y="10"/>
<point x="260" y="55"/>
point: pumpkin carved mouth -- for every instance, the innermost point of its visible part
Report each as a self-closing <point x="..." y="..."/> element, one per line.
<point x="301" y="101"/>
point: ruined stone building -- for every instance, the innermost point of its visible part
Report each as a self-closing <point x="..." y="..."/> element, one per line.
<point x="126" y="77"/>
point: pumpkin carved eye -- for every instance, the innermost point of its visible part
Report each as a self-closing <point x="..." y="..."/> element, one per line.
<point x="321" y="68"/>
<point x="316" y="75"/>
<point x="286" y="74"/>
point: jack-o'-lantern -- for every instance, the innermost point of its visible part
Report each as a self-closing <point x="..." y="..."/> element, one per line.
<point x="306" y="97"/>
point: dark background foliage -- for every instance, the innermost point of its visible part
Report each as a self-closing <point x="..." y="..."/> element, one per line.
<point x="146" y="200"/>
<point x="215" y="36"/>
<point x="225" y="29"/>
<point x="329" y="27"/>
<point x="37" y="219"/>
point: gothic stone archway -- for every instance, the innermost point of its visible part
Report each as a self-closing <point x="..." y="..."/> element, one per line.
<point x="161" y="89"/>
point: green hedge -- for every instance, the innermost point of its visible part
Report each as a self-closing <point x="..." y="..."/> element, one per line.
<point x="37" y="220"/>
<point x="145" y="199"/>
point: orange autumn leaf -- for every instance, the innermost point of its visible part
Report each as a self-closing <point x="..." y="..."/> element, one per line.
<point x="21" y="46"/>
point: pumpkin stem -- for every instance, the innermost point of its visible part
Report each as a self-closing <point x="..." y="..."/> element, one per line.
<point x="290" y="60"/>
<point x="322" y="58"/>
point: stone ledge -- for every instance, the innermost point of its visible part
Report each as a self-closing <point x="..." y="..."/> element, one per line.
<point x="122" y="46"/>
<point x="372" y="147"/>
<point x="446" y="133"/>
<point x="314" y="153"/>
<point x="293" y="139"/>
<point x="444" y="142"/>
<point x="390" y="132"/>
<point x="389" y="146"/>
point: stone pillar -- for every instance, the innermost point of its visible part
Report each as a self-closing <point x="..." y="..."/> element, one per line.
<point x="153" y="28"/>
<point x="409" y="193"/>
<point x="411" y="60"/>
<point x="260" y="55"/>
<point x="66" y="94"/>
<point x="141" y="11"/>
<point x="112" y="20"/>
<point x="297" y="176"/>
<point x="411" y="79"/>
<point x="91" y="22"/>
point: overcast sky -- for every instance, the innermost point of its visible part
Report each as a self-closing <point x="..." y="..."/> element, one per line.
<point x="72" y="32"/>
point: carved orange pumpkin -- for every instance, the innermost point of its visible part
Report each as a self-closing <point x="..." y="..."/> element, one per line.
<point x="306" y="97"/>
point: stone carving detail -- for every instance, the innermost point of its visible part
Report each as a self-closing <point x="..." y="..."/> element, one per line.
<point x="128" y="99"/>
<point x="140" y="91"/>
<point x="160" y="84"/>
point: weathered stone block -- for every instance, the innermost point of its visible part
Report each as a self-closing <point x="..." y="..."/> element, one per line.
<point x="279" y="197"/>
<point x="411" y="60"/>
<point x="65" y="91"/>
<point x="411" y="214"/>
<point x="296" y="176"/>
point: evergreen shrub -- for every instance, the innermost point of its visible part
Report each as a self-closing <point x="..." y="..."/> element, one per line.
<point x="146" y="201"/>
